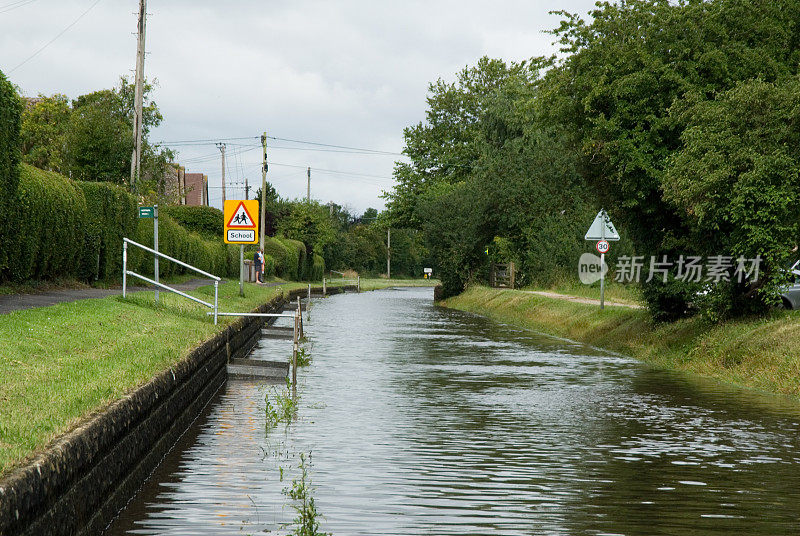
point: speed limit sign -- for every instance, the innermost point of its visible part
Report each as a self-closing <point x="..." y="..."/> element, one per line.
<point x="603" y="246"/>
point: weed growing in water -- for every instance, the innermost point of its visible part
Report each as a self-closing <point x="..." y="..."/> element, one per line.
<point x="280" y="407"/>
<point x="306" y="522"/>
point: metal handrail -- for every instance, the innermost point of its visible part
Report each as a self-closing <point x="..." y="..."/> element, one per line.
<point x="198" y="270"/>
<point x="126" y="273"/>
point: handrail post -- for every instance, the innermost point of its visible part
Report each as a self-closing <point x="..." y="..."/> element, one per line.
<point x="358" y="284"/>
<point x="324" y="288"/>
<point x="300" y="315"/>
<point x="124" y="267"/>
<point x="216" y="301"/>
<point x="309" y="292"/>
<point x="294" y="359"/>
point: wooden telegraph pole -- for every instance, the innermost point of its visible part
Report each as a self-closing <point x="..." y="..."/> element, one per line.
<point x="221" y="147"/>
<point x="263" y="189"/>
<point x="308" y="192"/>
<point x="136" y="157"/>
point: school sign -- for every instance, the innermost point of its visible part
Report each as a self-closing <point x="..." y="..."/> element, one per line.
<point x="241" y="225"/>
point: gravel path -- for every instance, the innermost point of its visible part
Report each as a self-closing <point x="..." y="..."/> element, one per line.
<point x="578" y="299"/>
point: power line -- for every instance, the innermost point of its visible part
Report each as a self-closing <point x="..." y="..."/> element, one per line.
<point x="362" y="150"/>
<point x="335" y="146"/>
<point x="14" y="5"/>
<point x="29" y="58"/>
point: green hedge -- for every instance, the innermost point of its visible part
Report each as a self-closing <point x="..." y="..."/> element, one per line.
<point x="10" y="112"/>
<point x="317" y="268"/>
<point x="48" y="224"/>
<point x="173" y="240"/>
<point x="297" y="254"/>
<point x="281" y="255"/>
<point x="269" y="266"/>
<point x="206" y="221"/>
<point x="112" y="215"/>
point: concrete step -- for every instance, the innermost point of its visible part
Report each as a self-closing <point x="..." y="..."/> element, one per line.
<point x="257" y="368"/>
<point x="272" y="333"/>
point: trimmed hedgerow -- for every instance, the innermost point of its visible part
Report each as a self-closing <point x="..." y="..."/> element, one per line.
<point x="274" y="248"/>
<point x="317" y="268"/>
<point x="297" y="254"/>
<point x="10" y="112"/>
<point x="48" y="227"/>
<point x="206" y="221"/>
<point x="112" y="216"/>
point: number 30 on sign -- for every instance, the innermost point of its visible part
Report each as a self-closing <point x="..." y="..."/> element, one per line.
<point x="603" y="246"/>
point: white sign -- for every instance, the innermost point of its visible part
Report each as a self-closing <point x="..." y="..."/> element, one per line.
<point x="602" y="228"/>
<point x="247" y="236"/>
<point x="428" y="270"/>
<point x="603" y="246"/>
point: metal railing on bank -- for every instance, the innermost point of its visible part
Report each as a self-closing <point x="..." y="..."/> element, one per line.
<point x="125" y="273"/>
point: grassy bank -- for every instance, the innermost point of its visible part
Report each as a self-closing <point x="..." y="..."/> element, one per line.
<point x="758" y="353"/>
<point x="60" y="363"/>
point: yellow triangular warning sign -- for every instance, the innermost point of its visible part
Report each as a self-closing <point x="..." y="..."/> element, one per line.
<point x="241" y="218"/>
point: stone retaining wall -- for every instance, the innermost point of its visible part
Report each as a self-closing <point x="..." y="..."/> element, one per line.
<point x="88" y="475"/>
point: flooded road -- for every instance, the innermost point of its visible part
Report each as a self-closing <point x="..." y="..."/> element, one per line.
<point x="422" y="420"/>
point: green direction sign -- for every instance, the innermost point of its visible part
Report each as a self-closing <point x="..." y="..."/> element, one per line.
<point x="146" y="212"/>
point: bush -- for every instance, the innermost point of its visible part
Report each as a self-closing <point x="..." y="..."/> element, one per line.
<point x="297" y="252"/>
<point x="10" y="112"/>
<point x="317" y="269"/>
<point x="292" y="260"/>
<point x="111" y="216"/>
<point x="49" y="225"/>
<point x="269" y="266"/>
<point x="206" y="221"/>
<point x="281" y="255"/>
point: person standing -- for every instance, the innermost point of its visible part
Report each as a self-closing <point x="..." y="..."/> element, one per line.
<point x="258" y="260"/>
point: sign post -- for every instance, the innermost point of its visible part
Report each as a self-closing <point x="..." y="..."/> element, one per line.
<point x="152" y="213"/>
<point x="603" y="230"/>
<point x="240" y="228"/>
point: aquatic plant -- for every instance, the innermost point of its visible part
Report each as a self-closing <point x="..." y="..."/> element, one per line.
<point x="280" y="407"/>
<point x="301" y="492"/>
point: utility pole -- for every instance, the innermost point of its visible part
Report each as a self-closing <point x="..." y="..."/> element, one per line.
<point x="388" y="252"/>
<point x="308" y="194"/>
<point x="136" y="157"/>
<point x="221" y="147"/>
<point x="263" y="189"/>
<point x="246" y="189"/>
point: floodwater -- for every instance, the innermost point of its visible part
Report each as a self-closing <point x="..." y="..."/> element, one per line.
<point x="422" y="420"/>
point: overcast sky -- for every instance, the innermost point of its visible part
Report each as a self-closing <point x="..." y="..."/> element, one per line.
<point x="351" y="73"/>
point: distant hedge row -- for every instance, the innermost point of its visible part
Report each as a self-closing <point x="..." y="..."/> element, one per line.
<point x="10" y="113"/>
<point x="63" y="228"/>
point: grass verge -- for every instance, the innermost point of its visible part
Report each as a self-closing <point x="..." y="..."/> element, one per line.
<point x="61" y="363"/>
<point x="759" y="353"/>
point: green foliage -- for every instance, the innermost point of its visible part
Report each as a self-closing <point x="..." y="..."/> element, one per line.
<point x="111" y="216"/>
<point x="317" y="268"/>
<point x="49" y="224"/>
<point x="44" y="132"/>
<point x="678" y="117"/>
<point x="301" y="491"/>
<point x="91" y="138"/>
<point x="282" y="257"/>
<point x="295" y="257"/>
<point x="207" y="221"/>
<point x="10" y="110"/>
<point x="279" y="407"/>
<point x="735" y="181"/>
